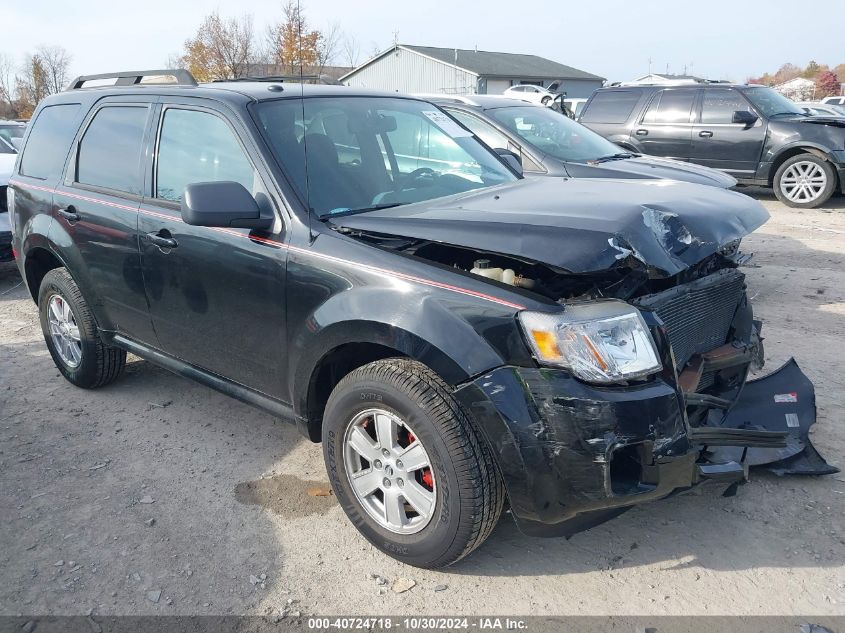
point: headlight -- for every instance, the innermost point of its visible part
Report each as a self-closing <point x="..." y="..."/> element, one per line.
<point x="599" y="341"/>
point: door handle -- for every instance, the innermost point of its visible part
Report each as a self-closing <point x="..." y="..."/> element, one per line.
<point x="69" y="214"/>
<point x="162" y="239"/>
<point x="641" y="132"/>
<point x="705" y="134"/>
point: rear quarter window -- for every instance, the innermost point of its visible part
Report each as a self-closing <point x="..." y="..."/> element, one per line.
<point x="611" y="106"/>
<point x="49" y="141"/>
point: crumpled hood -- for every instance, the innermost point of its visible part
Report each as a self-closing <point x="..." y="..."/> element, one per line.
<point x="580" y="225"/>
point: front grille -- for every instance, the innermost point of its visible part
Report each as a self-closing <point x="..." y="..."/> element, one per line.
<point x="697" y="315"/>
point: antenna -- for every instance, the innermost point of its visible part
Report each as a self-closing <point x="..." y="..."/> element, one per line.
<point x="302" y="102"/>
<point x="649" y="65"/>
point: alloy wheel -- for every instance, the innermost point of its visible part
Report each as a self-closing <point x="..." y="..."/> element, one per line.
<point x="389" y="471"/>
<point x="64" y="331"/>
<point x="804" y="181"/>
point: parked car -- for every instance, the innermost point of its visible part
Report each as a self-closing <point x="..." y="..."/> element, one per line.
<point x="12" y="132"/>
<point x="530" y="92"/>
<point x="751" y="132"/>
<point x="453" y="333"/>
<point x="550" y="144"/>
<point x="816" y="108"/>
<point x="8" y="155"/>
<point x="575" y="106"/>
<point x="834" y="100"/>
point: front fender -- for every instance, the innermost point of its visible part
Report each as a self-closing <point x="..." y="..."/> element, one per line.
<point x="438" y="332"/>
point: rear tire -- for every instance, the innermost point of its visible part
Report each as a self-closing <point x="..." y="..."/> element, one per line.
<point x="804" y="181"/>
<point x="465" y="494"/>
<point x="71" y="334"/>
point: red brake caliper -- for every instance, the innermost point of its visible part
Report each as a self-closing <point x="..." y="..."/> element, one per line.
<point x="427" y="477"/>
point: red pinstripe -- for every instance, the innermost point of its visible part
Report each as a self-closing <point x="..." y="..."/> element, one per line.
<point x="296" y="249"/>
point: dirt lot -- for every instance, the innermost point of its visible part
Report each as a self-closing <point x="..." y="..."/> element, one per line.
<point x="156" y="495"/>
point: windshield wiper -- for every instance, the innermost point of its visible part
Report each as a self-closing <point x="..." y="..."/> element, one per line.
<point x="619" y="156"/>
<point x="789" y="114"/>
<point x="341" y="211"/>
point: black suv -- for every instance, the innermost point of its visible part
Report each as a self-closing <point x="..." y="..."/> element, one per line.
<point x="751" y="132"/>
<point x="360" y="264"/>
<point x="550" y="144"/>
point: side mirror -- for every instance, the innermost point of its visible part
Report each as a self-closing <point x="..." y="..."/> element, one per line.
<point x="744" y="117"/>
<point x="223" y="203"/>
<point x="513" y="160"/>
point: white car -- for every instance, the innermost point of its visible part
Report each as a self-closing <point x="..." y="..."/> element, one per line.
<point x="834" y="101"/>
<point x="530" y="92"/>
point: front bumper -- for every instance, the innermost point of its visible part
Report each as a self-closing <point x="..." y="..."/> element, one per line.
<point x="574" y="455"/>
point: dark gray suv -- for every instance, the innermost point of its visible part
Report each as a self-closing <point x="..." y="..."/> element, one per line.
<point x="751" y="132"/>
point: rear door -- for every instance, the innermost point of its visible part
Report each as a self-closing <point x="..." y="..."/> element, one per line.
<point x="718" y="142"/>
<point x="216" y="295"/>
<point x="665" y="128"/>
<point x="97" y="208"/>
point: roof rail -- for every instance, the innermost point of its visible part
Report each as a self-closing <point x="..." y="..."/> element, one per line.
<point x="135" y="77"/>
<point x="299" y="79"/>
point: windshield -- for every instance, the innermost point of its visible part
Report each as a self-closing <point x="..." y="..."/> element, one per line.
<point x="771" y="103"/>
<point x="8" y="132"/>
<point x="353" y="154"/>
<point x="553" y="133"/>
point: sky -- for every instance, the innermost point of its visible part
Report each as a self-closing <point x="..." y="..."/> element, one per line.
<point x="719" y="39"/>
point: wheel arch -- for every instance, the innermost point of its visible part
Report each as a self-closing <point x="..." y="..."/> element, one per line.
<point x="347" y="346"/>
<point x="38" y="261"/>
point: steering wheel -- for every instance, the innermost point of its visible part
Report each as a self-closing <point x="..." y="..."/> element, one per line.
<point x="419" y="172"/>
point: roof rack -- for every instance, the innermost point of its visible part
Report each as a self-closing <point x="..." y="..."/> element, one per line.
<point x="299" y="79"/>
<point x="135" y="77"/>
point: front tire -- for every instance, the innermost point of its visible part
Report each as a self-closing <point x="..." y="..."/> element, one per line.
<point x="407" y="465"/>
<point x="71" y="334"/>
<point x="804" y="181"/>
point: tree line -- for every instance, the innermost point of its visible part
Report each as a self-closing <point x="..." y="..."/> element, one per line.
<point x="828" y="81"/>
<point x="221" y="48"/>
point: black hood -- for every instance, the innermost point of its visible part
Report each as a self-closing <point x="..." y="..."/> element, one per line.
<point x="579" y="225"/>
<point x="651" y="167"/>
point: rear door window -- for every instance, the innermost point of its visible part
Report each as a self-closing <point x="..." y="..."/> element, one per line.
<point x="611" y="106"/>
<point x="110" y="150"/>
<point x="49" y="141"/>
<point x="720" y="104"/>
<point x="670" y="106"/>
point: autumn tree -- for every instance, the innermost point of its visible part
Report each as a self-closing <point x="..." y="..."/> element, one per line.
<point x="827" y="84"/>
<point x="292" y="45"/>
<point x="7" y="87"/>
<point x="32" y="84"/>
<point x="56" y="63"/>
<point x="786" y="73"/>
<point x="223" y="48"/>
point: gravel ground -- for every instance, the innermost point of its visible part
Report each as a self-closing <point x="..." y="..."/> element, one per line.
<point x="159" y="496"/>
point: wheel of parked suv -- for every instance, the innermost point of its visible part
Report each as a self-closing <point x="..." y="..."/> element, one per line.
<point x="71" y="334"/>
<point x="407" y="464"/>
<point x="804" y="181"/>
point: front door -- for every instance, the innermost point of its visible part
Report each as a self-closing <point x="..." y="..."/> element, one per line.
<point x="720" y="143"/>
<point x="666" y="126"/>
<point x="216" y="295"/>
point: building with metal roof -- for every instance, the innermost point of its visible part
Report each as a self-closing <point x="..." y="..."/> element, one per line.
<point x="429" y="69"/>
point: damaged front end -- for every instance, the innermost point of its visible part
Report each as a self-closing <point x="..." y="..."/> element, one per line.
<point x="576" y="448"/>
